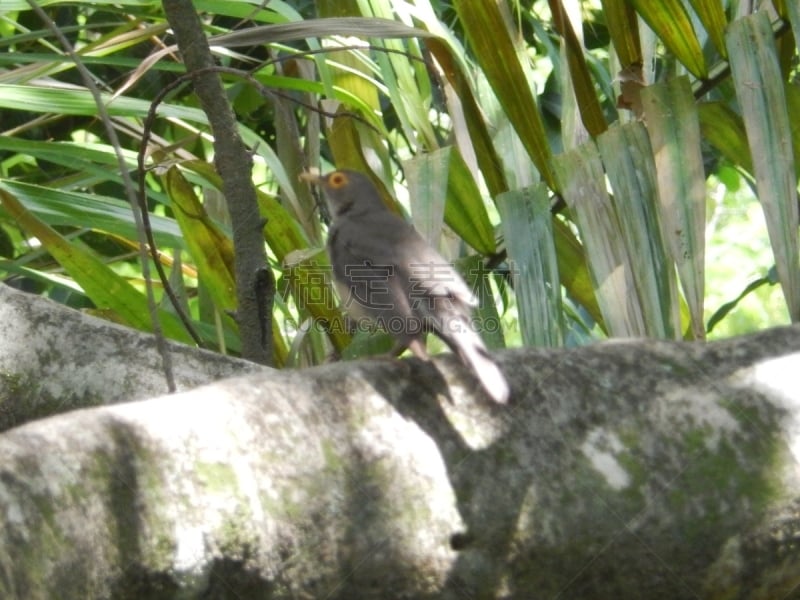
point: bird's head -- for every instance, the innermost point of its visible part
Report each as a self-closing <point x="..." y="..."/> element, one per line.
<point x="346" y="191"/>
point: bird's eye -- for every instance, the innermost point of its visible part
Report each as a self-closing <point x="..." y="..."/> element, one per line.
<point x="337" y="180"/>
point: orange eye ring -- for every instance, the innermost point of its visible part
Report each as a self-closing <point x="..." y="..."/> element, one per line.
<point x="337" y="180"/>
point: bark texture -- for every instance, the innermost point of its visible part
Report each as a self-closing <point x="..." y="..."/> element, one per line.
<point x="634" y="469"/>
<point x="255" y="288"/>
<point x="54" y="359"/>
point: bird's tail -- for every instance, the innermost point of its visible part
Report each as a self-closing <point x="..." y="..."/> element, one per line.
<point x="467" y="344"/>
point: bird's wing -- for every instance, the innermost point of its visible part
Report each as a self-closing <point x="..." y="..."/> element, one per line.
<point x="423" y="269"/>
<point x="385" y="244"/>
<point x="428" y="274"/>
<point x="366" y="268"/>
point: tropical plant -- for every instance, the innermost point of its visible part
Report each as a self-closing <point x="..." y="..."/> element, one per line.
<point x="559" y="150"/>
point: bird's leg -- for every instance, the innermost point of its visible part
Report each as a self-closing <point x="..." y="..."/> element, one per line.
<point x="398" y="348"/>
<point x="417" y="346"/>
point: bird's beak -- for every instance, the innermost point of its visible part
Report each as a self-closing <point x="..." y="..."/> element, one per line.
<point x="311" y="176"/>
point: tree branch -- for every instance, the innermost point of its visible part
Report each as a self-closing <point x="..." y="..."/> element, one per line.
<point x="234" y="164"/>
<point x="625" y="470"/>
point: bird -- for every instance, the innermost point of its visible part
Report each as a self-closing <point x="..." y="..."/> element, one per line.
<point x="386" y="272"/>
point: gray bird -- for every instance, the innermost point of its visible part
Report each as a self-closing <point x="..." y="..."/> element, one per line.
<point x="386" y="272"/>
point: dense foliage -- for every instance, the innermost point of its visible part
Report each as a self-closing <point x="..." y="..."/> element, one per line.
<point x="568" y="155"/>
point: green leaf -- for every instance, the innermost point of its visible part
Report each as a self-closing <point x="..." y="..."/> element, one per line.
<point x="582" y="83"/>
<point x="712" y="15"/>
<point x="308" y="273"/>
<point x="624" y="30"/>
<point x="427" y="176"/>
<point x="210" y="249"/>
<point x="725" y="309"/>
<point x="792" y="10"/>
<point x="84" y="159"/>
<point x="15" y="5"/>
<point x="574" y="271"/>
<point x="486" y="317"/>
<point x="102" y="213"/>
<point x="528" y="230"/>
<point x="671" y="22"/>
<point x="495" y="52"/>
<point x="464" y="210"/>
<point x="759" y="89"/>
<point x="107" y="289"/>
<point x="485" y="152"/>
<point x="583" y="182"/>
<point x="793" y="107"/>
<point x="724" y="129"/>
<point x="282" y="233"/>
<point x="674" y="130"/>
<point x="80" y="102"/>
<point x="628" y="159"/>
<point x="298" y="30"/>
